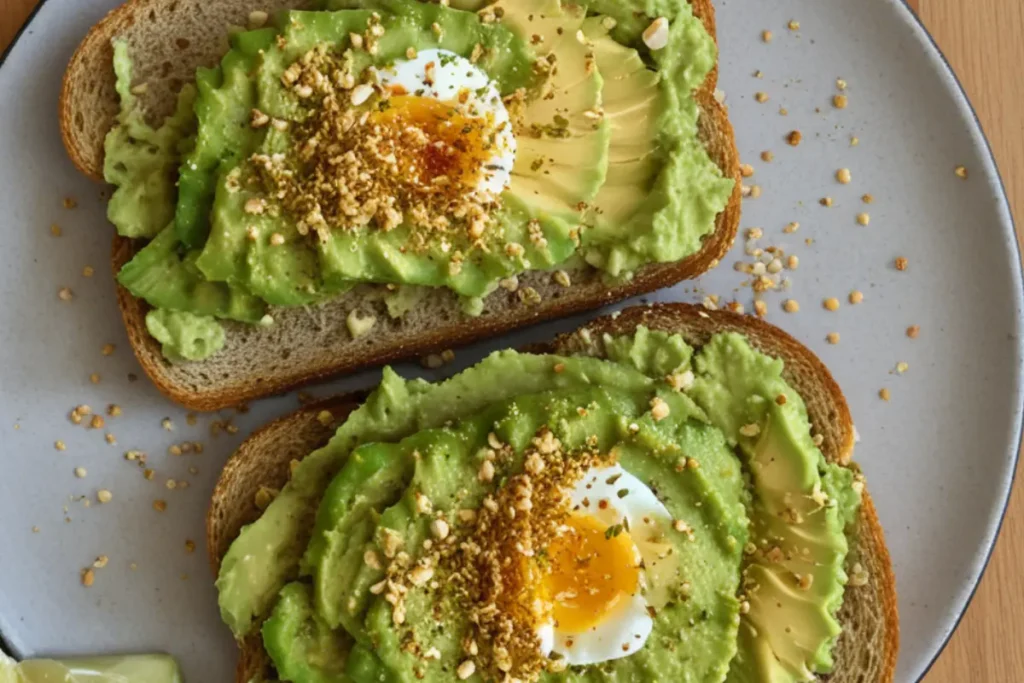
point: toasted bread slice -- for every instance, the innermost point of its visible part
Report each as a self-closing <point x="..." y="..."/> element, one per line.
<point x="866" y="650"/>
<point x="169" y="39"/>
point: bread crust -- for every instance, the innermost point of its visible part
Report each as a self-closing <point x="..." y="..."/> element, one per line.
<point x="867" y="648"/>
<point x="591" y="292"/>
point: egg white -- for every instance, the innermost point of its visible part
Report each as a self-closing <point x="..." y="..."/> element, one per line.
<point x="626" y="629"/>
<point x="453" y="74"/>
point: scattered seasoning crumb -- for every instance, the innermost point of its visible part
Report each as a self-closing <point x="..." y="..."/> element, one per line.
<point x="840" y="84"/>
<point x="902" y="367"/>
<point x="793" y="262"/>
<point x="148" y="474"/>
<point x="794" y="138"/>
<point x="761" y="97"/>
<point x="191" y="419"/>
<point x="60" y="445"/>
<point x="108" y="349"/>
<point x="81" y="472"/>
<point x="104" y="496"/>
<point x="867" y="199"/>
<point x="832" y="337"/>
<point x="767" y="156"/>
<point x="190" y="546"/>
<point x="35" y="529"/>
<point x="754" y="233"/>
<point x="55" y="230"/>
<point x="65" y="294"/>
<point x="160" y="505"/>
<point x="913" y="331"/>
<point x="746" y="170"/>
<point x="831" y="304"/>
<point x="760" y="308"/>
<point x="843" y="176"/>
<point x="167" y="424"/>
<point x="95" y="378"/>
<point x="793" y="25"/>
<point x="325" y="418"/>
<point x="864" y="219"/>
<point x="758" y="74"/>
<point x="901" y="263"/>
<point x="791" y="306"/>
<point x="110" y="439"/>
<point x="277" y="239"/>
<point x="791" y="228"/>
<point x="755" y="191"/>
<point x="88" y="271"/>
<point x="825" y="201"/>
<point x="70" y="203"/>
<point x="854" y="141"/>
<point x="961" y="172"/>
<point x="783" y="111"/>
<point x="839" y="101"/>
<point x="856" y="296"/>
<point x="114" y="410"/>
<point x="97" y="422"/>
<point x="884" y="394"/>
<point x="766" y="36"/>
<point x="88" y="577"/>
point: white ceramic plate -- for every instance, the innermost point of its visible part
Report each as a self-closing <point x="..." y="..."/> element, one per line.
<point x="939" y="456"/>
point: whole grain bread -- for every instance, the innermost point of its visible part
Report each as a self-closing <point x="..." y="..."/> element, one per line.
<point x="169" y="39"/>
<point x="867" y="648"/>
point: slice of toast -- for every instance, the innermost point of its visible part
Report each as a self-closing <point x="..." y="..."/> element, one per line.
<point x="866" y="649"/>
<point x="169" y="39"/>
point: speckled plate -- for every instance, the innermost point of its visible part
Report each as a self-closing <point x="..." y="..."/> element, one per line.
<point x="939" y="454"/>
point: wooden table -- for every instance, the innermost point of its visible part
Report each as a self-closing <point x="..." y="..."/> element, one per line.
<point x="982" y="40"/>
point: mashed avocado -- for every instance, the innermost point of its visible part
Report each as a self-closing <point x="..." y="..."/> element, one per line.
<point x="403" y="549"/>
<point x="413" y="144"/>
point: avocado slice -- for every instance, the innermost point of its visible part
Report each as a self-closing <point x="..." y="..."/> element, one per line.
<point x="303" y="648"/>
<point x="562" y="146"/>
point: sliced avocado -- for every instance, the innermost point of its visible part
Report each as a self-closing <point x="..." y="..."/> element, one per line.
<point x="164" y="273"/>
<point x="562" y="146"/>
<point x="226" y="98"/>
<point x="141" y="161"/>
<point x="793" y="572"/>
<point x="303" y="648"/>
<point x="632" y="101"/>
<point x="372" y="479"/>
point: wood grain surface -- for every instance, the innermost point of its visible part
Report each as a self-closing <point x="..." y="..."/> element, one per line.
<point x="982" y="40"/>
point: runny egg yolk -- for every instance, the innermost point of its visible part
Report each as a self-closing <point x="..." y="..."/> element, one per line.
<point x="592" y="570"/>
<point x="436" y="141"/>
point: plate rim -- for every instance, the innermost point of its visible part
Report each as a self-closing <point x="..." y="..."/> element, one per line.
<point x="932" y="50"/>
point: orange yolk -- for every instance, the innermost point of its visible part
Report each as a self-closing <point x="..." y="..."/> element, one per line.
<point x="591" y="571"/>
<point x="456" y="146"/>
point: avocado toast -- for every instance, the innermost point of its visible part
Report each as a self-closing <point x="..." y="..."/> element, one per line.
<point x="774" y="568"/>
<point x="607" y="203"/>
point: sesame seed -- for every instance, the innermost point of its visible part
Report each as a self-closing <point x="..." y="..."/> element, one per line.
<point x="843" y="176"/>
<point x="913" y="331"/>
<point x="746" y="170"/>
<point x="791" y="228"/>
<point x="486" y="471"/>
<point x="59" y="445"/>
<point x="466" y="669"/>
<point x="791" y="306"/>
<point x="793" y="25"/>
<point x="856" y="296"/>
<point x="104" y="496"/>
<point x="832" y="337"/>
<point x="902" y="367"/>
<point x="884" y="394"/>
<point x="839" y="101"/>
<point x="793" y="262"/>
<point x="88" y="577"/>
<point x="277" y="239"/>
<point x="864" y="219"/>
<point x="761" y="97"/>
<point x="81" y="472"/>
<point x="65" y="294"/>
<point x="961" y="172"/>
<point x="766" y="36"/>
<point x="840" y="84"/>
<point x="760" y="308"/>
<point x="831" y="304"/>
<point x="825" y="201"/>
<point x="901" y="263"/>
